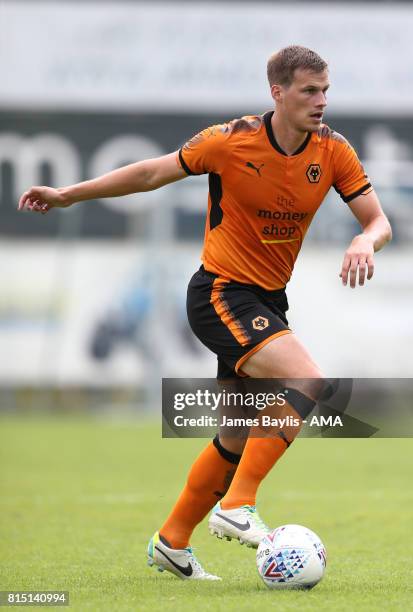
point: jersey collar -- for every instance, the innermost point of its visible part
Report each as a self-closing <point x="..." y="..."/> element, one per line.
<point x="274" y="143"/>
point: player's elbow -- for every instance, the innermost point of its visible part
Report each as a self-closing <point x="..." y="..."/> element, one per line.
<point x="147" y="176"/>
<point x="387" y="230"/>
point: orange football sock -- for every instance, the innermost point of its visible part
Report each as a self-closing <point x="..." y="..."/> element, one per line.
<point x="207" y="482"/>
<point x="259" y="456"/>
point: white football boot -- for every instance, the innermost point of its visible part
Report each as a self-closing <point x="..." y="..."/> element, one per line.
<point x="181" y="562"/>
<point x="243" y="524"/>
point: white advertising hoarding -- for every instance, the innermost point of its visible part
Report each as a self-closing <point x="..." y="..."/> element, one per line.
<point x="100" y="314"/>
<point x="184" y="57"/>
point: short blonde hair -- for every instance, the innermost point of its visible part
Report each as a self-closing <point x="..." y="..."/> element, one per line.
<point x="283" y="63"/>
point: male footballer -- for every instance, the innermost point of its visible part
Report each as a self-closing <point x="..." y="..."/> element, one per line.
<point x="268" y="175"/>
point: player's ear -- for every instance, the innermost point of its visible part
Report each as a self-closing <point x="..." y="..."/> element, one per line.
<point x="276" y="93"/>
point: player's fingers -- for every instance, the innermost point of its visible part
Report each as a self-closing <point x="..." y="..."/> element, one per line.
<point x="36" y="205"/>
<point x="30" y="202"/>
<point x="344" y="269"/>
<point x="27" y="199"/>
<point x="23" y="201"/>
<point x="362" y="270"/>
<point x="353" y="272"/>
<point x="370" y="267"/>
<point x="42" y="207"/>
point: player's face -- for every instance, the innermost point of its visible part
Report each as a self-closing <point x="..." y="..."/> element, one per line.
<point x="304" y="101"/>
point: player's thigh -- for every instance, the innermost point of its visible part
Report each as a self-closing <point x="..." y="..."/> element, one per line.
<point x="283" y="357"/>
<point x="286" y="358"/>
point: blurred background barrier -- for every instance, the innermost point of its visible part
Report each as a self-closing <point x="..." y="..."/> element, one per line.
<point x="93" y="297"/>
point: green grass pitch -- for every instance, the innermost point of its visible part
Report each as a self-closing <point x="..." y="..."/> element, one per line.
<point x="79" y="500"/>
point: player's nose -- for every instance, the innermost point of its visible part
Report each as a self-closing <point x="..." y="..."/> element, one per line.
<point x="321" y="100"/>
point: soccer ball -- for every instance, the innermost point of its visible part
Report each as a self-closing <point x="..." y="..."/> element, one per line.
<point x="291" y="557"/>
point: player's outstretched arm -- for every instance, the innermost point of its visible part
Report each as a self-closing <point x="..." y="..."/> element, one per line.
<point x="376" y="233"/>
<point x="145" y="175"/>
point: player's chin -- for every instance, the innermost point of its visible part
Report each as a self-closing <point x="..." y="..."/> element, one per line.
<point x="314" y="125"/>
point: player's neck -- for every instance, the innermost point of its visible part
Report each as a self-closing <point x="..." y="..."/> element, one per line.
<point x="288" y="138"/>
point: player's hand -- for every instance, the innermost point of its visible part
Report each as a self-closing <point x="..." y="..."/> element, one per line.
<point x="358" y="257"/>
<point x="42" y="199"/>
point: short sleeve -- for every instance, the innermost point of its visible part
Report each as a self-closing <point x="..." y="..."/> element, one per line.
<point x="205" y="152"/>
<point x="350" y="178"/>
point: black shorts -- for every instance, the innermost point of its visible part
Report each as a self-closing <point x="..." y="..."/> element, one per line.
<point x="234" y="320"/>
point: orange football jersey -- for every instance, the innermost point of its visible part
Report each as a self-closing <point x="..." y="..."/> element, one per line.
<point x="262" y="201"/>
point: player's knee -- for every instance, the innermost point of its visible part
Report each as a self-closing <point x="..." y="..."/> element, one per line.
<point x="311" y="385"/>
<point x="302" y="403"/>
